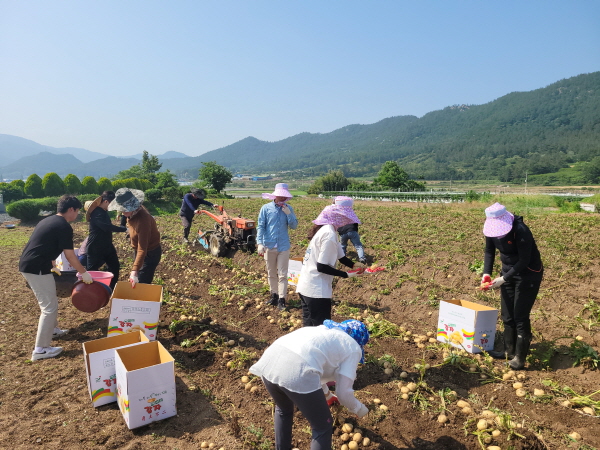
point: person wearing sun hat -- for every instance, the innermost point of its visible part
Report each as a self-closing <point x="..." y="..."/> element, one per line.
<point x="143" y="234"/>
<point x="350" y="232"/>
<point x="100" y="249"/>
<point x="519" y="281"/>
<point x="296" y="368"/>
<point x="318" y="268"/>
<point x="273" y="242"/>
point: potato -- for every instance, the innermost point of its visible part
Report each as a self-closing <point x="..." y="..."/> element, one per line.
<point x="347" y="427"/>
<point x="442" y="418"/>
<point x="352" y="445"/>
<point x="506" y="377"/>
<point x="404" y="396"/>
<point x="412" y="387"/>
<point x="204" y="445"/>
<point x="575" y="436"/>
<point x="482" y="424"/>
<point x="366" y="442"/>
<point x="383" y="408"/>
<point x="388" y="371"/>
<point x="493" y="447"/>
<point x="521" y="392"/>
<point x="376" y="401"/>
<point x="467" y="410"/>
<point x="517" y="385"/>
<point x="245" y="379"/>
<point x="357" y="437"/>
<point x="589" y="411"/>
<point x="538" y="392"/>
<point x="487" y="414"/>
<point x="231" y="343"/>
<point x="253" y="389"/>
<point x="403" y="375"/>
<point x="344" y="437"/>
<point x="496" y="433"/>
<point x="462" y="404"/>
<point x="248" y="386"/>
<point x="487" y="439"/>
<point x="386" y="364"/>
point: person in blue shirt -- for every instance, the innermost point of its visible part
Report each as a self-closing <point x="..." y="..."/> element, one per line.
<point x="274" y="220"/>
<point x="189" y="205"/>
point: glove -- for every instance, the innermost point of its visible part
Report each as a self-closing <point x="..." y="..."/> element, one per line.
<point x="286" y="210"/>
<point x="355" y="273"/>
<point x="260" y="250"/>
<point x="486" y="278"/>
<point x="86" y="278"/>
<point x="56" y="270"/>
<point x="331" y="399"/>
<point x="133" y="278"/>
<point x="497" y="283"/>
<point x="362" y="412"/>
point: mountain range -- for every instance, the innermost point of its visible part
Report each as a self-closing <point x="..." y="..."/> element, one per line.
<point x="539" y="131"/>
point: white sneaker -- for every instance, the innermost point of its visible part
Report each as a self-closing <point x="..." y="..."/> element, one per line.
<point x="48" y="352"/>
<point x="59" y="333"/>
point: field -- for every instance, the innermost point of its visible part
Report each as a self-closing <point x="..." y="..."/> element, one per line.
<point x="431" y="253"/>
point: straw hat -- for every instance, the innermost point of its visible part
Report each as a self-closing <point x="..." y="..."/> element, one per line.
<point x="127" y="200"/>
<point x="336" y="215"/>
<point x="281" y="190"/>
<point x="91" y="205"/>
<point x="498" y="221"/>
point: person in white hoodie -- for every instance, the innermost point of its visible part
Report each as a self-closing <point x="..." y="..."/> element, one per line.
<point x="296" y="369"/>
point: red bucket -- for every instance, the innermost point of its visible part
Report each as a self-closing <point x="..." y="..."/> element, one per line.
<point x="89" y="297"/>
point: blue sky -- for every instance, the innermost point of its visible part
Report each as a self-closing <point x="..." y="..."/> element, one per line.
<point x="120" y="77"/>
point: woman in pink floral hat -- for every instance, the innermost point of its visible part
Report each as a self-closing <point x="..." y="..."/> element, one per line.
<point x="318" y="268"/>
<point x="519" y="280"/>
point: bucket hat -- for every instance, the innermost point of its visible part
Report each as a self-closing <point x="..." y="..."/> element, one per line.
<point x="498" y="221"/>
<point x="336" y="215"/>
<point x="343" y="201"/>
<point x="355" y="329"/>
<point x="281" y="190"/>
<point x="90" y="206"/>
<point x="198" y="192"/>
<point x="127" y="200"/>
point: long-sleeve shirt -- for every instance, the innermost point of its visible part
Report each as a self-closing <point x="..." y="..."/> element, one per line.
<point x="272" y="227"/>
<point x="101" y="230"/>
<point x="144" y="235"/>
<point x="518" y="252"/>
<point x="308" y="358"/>
<point x="190" y="204"/>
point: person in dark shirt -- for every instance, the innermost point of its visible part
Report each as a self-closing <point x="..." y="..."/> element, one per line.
<point x="100" y="248"/>
<point x="519" y="282"/>
<point x="189" y="205"/>
<point x="350" y="232"/>
<point x="51" y="237"/>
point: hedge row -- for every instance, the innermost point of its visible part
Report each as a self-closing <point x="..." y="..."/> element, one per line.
<point x="29" y="209"/>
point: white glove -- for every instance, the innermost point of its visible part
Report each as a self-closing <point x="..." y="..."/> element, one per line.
<point x="355" y="274"/>
<point x="87" y="278"/>
<point x="133" y="278"/>
<point x="286" y="209"/>
<point x="362" y="411"/>
<point x="56" y="270"/>
<point x="260" y="250"/>
<point x="497" y="283"/>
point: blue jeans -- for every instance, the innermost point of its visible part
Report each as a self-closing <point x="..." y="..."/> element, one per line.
<point x="355" y="238"/>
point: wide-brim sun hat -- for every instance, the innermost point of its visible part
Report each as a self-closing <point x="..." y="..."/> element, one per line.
<point x="355" y="329"/>
<point x="336" y="215"/>
<point x="498" y="221"/>
<point x="343" y="201"/>
<point x="127" y="200"/>
<point x="90" y="206"/>
<point x="281" y="190"/>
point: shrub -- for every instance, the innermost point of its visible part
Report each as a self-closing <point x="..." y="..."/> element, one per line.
<point x="10" y="192"/>
<point x="104" y="184"/>
<point x="153" y="195"/>
<point x="33" y="186"/>
<point x="90" y="186"/>
<point x="171" y="194"/>
<point x="26" y="210"/>
<point x="73" y="185"/>
<point x="53" y="185"/>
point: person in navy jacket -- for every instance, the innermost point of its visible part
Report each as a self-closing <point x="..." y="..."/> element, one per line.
<point x="189" y="205"/>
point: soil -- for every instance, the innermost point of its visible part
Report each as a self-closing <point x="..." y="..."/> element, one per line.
<point x="46" y="403"/>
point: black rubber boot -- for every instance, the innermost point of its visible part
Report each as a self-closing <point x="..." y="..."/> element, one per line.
<point x="518" y="362"/>
<point x="273" y="299"/>
<point x="281" y="304"/>
<point x="510" y="336"/>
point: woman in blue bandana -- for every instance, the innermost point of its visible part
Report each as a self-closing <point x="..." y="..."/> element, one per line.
<point x="296" y="368"/>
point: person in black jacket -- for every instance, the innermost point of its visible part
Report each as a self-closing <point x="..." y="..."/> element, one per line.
<point x="350" y="231"/>
<point x="100" y="248"/>
<point x="189" y="205"/>
<point x="519" y="282"/>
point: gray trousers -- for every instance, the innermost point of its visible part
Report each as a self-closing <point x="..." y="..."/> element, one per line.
<point x="313" y="407"/>
<point x="44" y="288"/>
<point x="277" y="270"/>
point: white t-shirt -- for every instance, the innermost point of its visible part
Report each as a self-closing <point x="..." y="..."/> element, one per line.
<point x="324" y="248"/>
<point x="304" y="360"/>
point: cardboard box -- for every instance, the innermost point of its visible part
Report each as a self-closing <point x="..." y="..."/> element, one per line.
<point x="145" y="383"/>
<point x="294" y="269"/>
<point x="134" y="309"/>
<point x="99" y="357"/>
<point x="467" y="325"/>
<point x="63" y="264"/>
